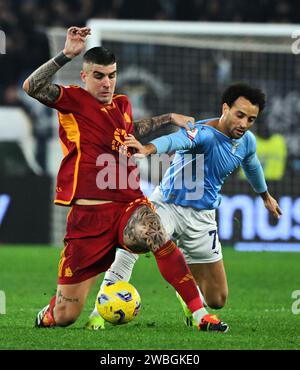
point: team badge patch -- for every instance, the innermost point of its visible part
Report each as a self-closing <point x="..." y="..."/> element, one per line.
<point x="192" y="133"/>
<point x="234" y="147"/>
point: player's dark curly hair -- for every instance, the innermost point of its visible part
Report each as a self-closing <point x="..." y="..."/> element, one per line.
<point x="254" y="95"/>
<point x="99" y="55"/>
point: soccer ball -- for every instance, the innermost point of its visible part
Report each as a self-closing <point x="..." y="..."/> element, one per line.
<point x="118" y="303"/>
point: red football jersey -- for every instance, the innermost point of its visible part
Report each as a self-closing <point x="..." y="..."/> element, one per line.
<point x="97" y="164"/>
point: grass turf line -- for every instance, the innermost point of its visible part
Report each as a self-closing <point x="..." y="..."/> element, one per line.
<point x="258" y="308"/>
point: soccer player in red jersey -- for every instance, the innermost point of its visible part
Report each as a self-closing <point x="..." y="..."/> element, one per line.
<point x="99" y="180"/>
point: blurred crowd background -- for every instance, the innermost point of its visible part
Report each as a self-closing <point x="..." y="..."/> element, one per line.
<point x="25" y="22"/>
<point x="165" y="75"/>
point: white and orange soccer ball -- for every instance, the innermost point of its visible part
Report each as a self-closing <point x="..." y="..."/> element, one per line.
<point x="118" y="303"/>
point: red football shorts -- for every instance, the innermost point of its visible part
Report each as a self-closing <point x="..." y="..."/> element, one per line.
<point x="93" y="234"/>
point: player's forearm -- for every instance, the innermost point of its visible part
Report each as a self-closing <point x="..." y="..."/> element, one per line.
<point x="38" y="84"/>
<point x="144" y="127"/>
<point x="170" y="143"/>
<point x="255" y="175"/>
<point x="149" y="149"/>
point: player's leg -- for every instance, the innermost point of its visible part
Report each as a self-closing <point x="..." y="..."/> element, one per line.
<point x="121" y="269"/>
<point x="203" y="253"/>
<point x="66" y="306"/>
<point x="144" y="231"/>
<point x="90" y="245"/>
<point x="180" y="219"/>
<point x="212" y="281"/>
<point x="212" y="284"/>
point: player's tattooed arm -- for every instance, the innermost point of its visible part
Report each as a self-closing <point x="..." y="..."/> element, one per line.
<point x="39" y="86"/>
<point x="144" y="231"/>
<point x="144" y="127"/>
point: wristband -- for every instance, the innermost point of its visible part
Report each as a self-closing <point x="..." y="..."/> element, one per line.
<point x="60" y="59"/>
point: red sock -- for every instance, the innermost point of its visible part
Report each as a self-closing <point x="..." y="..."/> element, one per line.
<point x="174" y="269"/>
<point x="48" y="319"/>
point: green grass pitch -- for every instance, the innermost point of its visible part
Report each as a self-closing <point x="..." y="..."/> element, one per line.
<point x="259" y="308"/>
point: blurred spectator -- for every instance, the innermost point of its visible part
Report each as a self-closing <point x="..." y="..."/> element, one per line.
<point x="16" y="141"/>
<point x="25" y="21"/>
<point x="10" y="97"/>
<point x="25" y="24"/>
<point x="271" y="149"/>
<point x="38" y="115"/>
<point x="136" y="9"/>
<point x="223" y="70"/>
<point x="41" y="120"/>
<point x="189" y="10"/>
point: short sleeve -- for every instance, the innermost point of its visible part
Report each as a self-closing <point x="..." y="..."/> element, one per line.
<point x="68" y="100"/>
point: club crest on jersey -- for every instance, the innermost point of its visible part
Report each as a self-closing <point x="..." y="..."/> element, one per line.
<point x="118" y="143"/>
<point x="192" y="133"/>
<point x="234" y="147"/>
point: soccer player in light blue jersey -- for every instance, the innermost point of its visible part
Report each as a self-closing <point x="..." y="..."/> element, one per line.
<point x="189" y="192"/>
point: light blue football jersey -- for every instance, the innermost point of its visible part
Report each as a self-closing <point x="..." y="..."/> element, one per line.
<point x="204" y="158"/>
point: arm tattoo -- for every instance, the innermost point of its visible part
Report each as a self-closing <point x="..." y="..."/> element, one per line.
<point x="144" y="231"/>
<point x="40" y="86"/>
<point x="143" y="127"/>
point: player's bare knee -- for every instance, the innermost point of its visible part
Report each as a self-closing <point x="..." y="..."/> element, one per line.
<point x="144" y="231"/>
<point x="64" y="316"/>
<point x="217" y="301"/>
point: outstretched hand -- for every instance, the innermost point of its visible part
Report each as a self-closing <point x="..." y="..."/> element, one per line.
<point x="272" y="206"/>
<point x="75" y="41"/>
